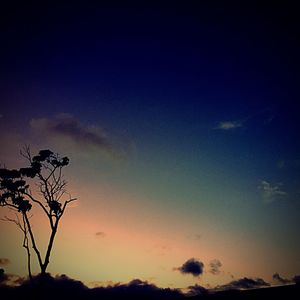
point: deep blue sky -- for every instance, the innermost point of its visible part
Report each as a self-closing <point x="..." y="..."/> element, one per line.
<point x="206" y="94"/>
<point x="169" y="65"/>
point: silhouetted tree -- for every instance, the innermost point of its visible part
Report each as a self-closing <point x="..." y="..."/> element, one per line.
<point x="45" y="172"/>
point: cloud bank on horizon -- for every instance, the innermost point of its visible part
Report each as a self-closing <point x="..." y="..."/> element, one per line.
<point x="140" y="286"/>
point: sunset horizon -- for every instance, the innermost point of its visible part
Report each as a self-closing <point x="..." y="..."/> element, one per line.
<point x="181" y="126"/>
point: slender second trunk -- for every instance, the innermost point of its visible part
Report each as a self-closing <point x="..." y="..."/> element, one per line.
<point x="26" y="246"/>
<point x="36" y="250"/>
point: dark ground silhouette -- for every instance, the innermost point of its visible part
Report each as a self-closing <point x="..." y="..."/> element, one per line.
<point x="63" y="287"/>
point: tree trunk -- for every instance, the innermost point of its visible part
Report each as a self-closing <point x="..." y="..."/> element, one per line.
<point x="50" y="245"/>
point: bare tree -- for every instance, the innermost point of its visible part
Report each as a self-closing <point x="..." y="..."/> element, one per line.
<point x="24" y="228"/>
<point x="45" y="172"/>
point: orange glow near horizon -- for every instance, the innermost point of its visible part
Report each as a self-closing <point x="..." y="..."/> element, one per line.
<point x="140" y="238"/>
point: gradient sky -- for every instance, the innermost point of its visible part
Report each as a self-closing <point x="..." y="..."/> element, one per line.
<point x="182" y="127"/>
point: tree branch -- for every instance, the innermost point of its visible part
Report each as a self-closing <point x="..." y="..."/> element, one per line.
<point x="38" y="202"/>
<point x="65" y="205"/>
<point x="42" y="206"/>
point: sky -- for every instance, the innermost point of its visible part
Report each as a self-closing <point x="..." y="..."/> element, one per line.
<point x="181" y="124"/>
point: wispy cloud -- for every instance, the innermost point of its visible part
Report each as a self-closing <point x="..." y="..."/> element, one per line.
<point x="280" y="279"/>
<point x="243" y="283"/>
<point x="215" y="266"/>
<point x="191" y="266"/>
<point x="68" y="127"/>
<point x="229" y="125"/>
<point x="4" y="261"/>
<point x="271" y="193"/>
<point x="263" y="116"/>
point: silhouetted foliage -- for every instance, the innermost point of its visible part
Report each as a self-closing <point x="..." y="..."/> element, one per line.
<point x="45" y="171"/>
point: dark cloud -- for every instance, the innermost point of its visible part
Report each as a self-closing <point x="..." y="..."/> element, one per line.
<point x="244" y="283"/>
<point x="3" y="277"/>
<point x="66" y="125"/>
<point x="215" y="266"/>
<point x="136" y="289"/>
<point x="192" y="266"/>
<point x="196" y="290"/>
<point x="280" y="280"/>
<point x="63" y="287"/>
<point x="100" y="234"/>
<point x="4" y="261"/>
<point x="296" y="279"/>
<point x="7" y="279"/>
<point x="58" y="281"/>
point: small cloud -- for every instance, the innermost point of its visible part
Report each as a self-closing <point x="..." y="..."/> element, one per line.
<point x="191" y="266"/>
<point x="215" y="266"/>
<point x="271" y="193"/>
<point x="4" y="261"/>
<point x="100" y="234"/>
<point x="265" y="116"/>
<point x="1" y="116"/>
<point x="243" y="283"/>
<point x="229" y="125"/>
<point x="281" y="280"/>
